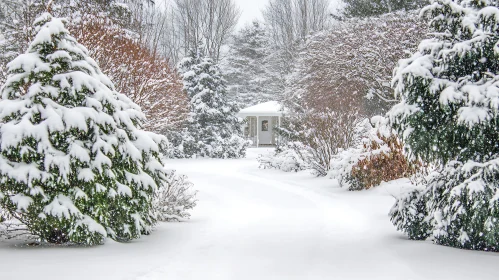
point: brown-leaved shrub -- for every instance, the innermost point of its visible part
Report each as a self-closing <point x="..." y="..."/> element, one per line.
<point x="146" y="77"/>
<point x="384" y="160"/>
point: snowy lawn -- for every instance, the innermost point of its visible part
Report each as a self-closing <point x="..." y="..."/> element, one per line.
<point x="260" y="224"/>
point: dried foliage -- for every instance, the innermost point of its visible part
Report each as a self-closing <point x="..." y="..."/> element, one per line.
<point x="384" y="160"/>
<point x="143" y="76"/>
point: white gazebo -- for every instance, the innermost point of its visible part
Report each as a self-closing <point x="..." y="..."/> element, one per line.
<point x="261" y="121"/>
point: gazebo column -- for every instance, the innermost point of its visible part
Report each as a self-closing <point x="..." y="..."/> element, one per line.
<point x="257" y="131"/>
<point x="279" y="126"/>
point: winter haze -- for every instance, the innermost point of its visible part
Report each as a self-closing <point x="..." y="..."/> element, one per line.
<point x="176" y="139"/>
<point x="250" y="10"/>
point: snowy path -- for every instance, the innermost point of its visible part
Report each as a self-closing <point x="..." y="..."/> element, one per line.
<point x="260" y="224"/>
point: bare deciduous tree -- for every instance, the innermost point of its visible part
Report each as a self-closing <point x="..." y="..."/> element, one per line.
<point x="291" y="21"/>
<point x="355" y="60"/>
<point x="16" y="18"/>
<point x="205" y="22"/>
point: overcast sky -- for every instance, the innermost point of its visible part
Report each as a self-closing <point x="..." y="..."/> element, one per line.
<point x="250" y="9"/>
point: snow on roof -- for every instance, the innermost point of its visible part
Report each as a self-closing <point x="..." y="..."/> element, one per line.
<point x="271" y="108"/>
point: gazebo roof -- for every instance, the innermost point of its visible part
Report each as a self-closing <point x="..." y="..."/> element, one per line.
<point x="271" y="108"/>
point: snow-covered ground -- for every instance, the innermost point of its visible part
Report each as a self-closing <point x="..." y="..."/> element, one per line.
<point x="260" y="224"/>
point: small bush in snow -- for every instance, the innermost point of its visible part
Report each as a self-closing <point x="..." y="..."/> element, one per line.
<point x="75" y="165"/>
<point x="379" y="157"/>
<point x="173" y="200"/>
<point x="383" y="160"/>
<point x="410" y="215"/>
<point x="448" y="116"/>
<point x="286" y="160"/>
<point x="316" y="137"/>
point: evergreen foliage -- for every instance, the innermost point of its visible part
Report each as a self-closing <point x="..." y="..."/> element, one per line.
<point x="410" y="215"/>
<point x="448" y="87"/>
<point x="249" y="68"/>
<point x="449" y="116"/>
<point x="75" y="165"/>
<point x="212" y="128"/>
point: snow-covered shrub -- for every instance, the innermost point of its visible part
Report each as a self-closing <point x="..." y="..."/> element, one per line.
<point x="342" y="164"/>
<point x="377" y="157"/>
<point x="466" y="214"/>
<point x="212" y="128"/>
<point x="382" y="158"/>
<point x="459" y="207"/>
<point x="448" y="116"/>
<point x="316" y="137"/>
<point x="285" y="159"/>
<point x="75" y="165"/>
<point x="11" y="228"/>
<point x="173" y="199"/>
<point x="410" y="214"/>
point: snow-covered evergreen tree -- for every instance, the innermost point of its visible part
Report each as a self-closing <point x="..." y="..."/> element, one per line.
<point x="212" y="128"/>
<point x="75" y="165"/>
<point x="249" y="69"/>
<point x="449" y="116"/>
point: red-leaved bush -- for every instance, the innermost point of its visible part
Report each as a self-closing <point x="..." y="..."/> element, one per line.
<point x="142" y="75"/>
<point x="384" y="160"/>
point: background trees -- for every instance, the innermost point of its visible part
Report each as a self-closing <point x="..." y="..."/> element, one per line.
<point x="16" y="17"/>
<point x="262" y="54"/>
<point x="289" y="22"/>
<point x="369" y="8"/>
<point x="351" y="66"/>
<point x="249" y="68"/>
<point x="212" y="128"/>
<point x="206" y="22"/>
